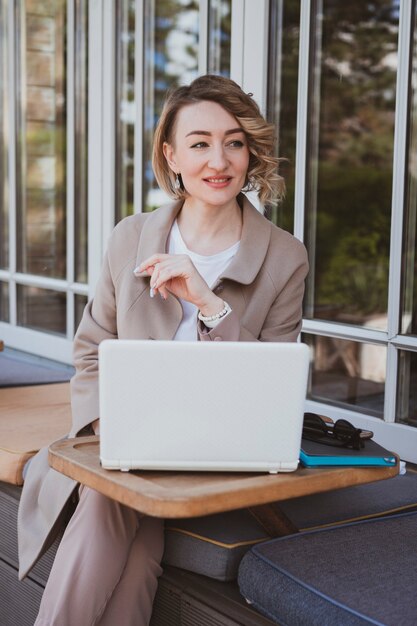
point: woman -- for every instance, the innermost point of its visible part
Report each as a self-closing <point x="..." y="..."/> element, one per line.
<point x="207" y="266"/>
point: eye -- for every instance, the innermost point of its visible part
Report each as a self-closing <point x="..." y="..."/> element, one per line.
<point x="236" y="143"/>
<point x="200" y="144"/>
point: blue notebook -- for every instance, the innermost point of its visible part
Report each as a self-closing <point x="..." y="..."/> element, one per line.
<point x="313" y="454"/>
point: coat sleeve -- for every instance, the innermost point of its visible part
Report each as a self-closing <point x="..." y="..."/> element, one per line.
<point x="283" y="320"/>
<point x="98" y="323"/>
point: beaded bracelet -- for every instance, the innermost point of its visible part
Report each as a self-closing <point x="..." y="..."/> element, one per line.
<point x="210" y="319"/>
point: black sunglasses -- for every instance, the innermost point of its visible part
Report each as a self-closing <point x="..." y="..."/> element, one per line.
<point x="341" y="434"/>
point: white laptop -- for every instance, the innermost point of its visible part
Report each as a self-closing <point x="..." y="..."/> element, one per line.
<point x="218" y="406"/>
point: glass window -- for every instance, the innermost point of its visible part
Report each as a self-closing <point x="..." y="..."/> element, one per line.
<point x="220" y="23"/>
<point x="170" y="59"/>
<point x="125" y="102"/>
<point x="407" y="388"/>
<point x="4" y="302"/>
<point x="4" y="214"/>
<point x="409" y="260"/>
<point x="171" y="35"/>
<point x="42" y="309"/>
<point x="81" y="142"/>
<point x="282" y="96"/>
<point x="406" y="406"/>
<point x="351" y="133"/>
<point x="79" y="305"/>
<point x="41" y="141"/>
<point x="348" y="374"/>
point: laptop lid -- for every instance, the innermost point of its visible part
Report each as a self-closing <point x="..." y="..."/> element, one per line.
<point x="216" y="406"/>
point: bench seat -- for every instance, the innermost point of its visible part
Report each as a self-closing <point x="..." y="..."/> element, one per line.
<point x="354" y="574"/>
<point x="30" y="418"/>
<point x="214" y="545"/>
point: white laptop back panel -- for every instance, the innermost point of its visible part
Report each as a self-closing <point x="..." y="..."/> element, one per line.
<point x="231" y="406"/>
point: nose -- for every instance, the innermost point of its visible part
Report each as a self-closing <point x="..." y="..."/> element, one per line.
<point x="218" y="159"/>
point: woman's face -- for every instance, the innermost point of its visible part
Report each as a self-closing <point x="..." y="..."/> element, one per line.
<point x="210" y="152"/>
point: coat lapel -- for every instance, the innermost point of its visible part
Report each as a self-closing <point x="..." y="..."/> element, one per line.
<point x="162" y="316"/>
<point x="256" y="234"/>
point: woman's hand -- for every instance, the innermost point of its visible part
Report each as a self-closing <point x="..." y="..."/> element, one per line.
<point x="176" y="273"/>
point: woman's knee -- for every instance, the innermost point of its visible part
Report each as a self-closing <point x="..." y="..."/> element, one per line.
<point x="151" y="533"/>
<point x="100" y="507"/>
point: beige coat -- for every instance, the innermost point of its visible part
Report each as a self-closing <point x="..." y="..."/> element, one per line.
<point x="264" y="285"/>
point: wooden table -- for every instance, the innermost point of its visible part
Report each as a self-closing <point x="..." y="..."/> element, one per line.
<point x="193" y="494"/>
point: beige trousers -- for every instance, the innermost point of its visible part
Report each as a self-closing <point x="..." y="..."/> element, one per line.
<point x="106" y="568"/>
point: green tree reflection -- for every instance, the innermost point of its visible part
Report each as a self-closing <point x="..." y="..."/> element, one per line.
<point x="350" y="248"/>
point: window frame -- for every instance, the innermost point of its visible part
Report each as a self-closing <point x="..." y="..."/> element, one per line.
<point x="18" y="337"/>
<point x="399" y="437"/>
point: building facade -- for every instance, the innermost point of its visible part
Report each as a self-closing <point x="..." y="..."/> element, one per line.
<point x="82" y="84"/>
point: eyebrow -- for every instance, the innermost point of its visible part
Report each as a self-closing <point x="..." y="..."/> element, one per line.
<point x="207" y="133"/>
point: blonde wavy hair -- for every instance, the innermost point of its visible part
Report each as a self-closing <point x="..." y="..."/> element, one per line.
<point x="262" y="174"/>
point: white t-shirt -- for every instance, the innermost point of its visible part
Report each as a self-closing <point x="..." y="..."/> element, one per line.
<point x="210" y="267"/>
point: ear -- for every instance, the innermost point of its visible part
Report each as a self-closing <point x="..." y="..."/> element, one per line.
<point x="169" y="154"/>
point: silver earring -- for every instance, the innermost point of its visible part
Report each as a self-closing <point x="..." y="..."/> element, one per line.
<point x="177" y="184"/>
<point x="251" y="184"/>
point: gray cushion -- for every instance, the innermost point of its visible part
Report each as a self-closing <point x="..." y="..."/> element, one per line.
<point x="214" y="545"/>
<point x="354" y="574"/>
<point x="384" y="497"/>
<point x="18" y="369"/>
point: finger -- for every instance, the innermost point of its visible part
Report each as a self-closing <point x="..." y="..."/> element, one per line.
<point x="154" y="276"/>
<point x="148" y="270"/>
<point x="163" y="292"/>
<point x="165" y="273"/>
<point x="149" y="263"/>
<point x="161" y="276"/>
<point x="139" y="272"/>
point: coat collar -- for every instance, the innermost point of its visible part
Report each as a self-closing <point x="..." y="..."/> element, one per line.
<point x="256" y="233"/>
<point x="155" y="231"/>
